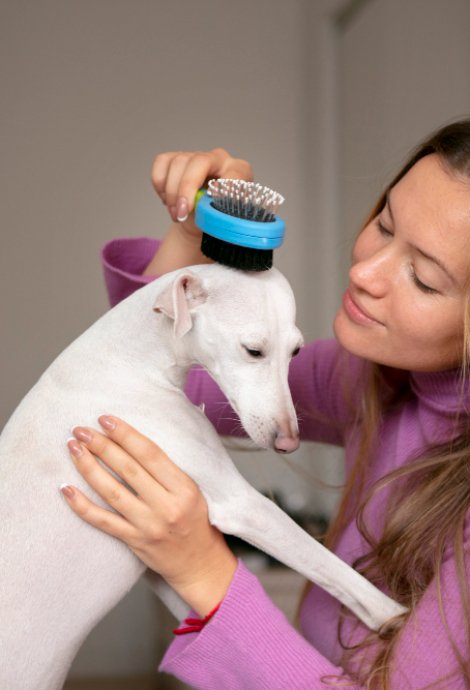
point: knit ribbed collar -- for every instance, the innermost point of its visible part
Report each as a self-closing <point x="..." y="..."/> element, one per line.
<point x="442" y="390"/>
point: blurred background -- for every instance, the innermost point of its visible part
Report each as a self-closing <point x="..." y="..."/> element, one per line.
<point x="324" y="97"/>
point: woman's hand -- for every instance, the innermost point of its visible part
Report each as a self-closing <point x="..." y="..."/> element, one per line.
<point x="165" y="522"/>
<point x="177" y="177"/>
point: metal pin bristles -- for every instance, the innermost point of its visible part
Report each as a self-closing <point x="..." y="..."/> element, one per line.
<point x="247" y="200"/>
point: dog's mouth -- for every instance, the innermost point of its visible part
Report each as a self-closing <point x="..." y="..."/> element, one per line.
<point x="263" y="434"/>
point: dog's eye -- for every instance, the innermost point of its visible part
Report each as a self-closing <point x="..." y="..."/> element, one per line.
<point x="253" y="353"/>
<point x="296" y="352"/>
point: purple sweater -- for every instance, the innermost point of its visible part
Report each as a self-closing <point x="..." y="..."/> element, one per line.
<point x="249" y="644"/>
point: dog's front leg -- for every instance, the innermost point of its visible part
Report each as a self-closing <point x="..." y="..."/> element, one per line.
<point x="261" y="523"/>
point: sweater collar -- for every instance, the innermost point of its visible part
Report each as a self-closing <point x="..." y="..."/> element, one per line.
<point x="442" y="390"/>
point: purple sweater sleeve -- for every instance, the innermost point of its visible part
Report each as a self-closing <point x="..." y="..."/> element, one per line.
<point x="124" y="261"/>
<point x="248" y="644"/>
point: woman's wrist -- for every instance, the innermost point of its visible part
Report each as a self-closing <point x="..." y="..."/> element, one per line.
<point x="204" y="590"/>
<point x="178" y="249"/>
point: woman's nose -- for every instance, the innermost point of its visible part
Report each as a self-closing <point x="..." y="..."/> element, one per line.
<point x="371" y="274"/>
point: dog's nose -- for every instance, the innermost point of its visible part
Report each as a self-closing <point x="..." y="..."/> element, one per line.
<point x="286" y="444"/>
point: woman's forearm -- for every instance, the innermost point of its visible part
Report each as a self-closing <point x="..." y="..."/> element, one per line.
<point x="177" y="250"/>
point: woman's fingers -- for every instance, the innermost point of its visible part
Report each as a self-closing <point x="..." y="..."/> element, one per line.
<point x="147" y="453"/>
<point x="160" y="168"/>
<point x="176" y="170"/>
<point x="200" y="168"/>
<point x="103" y="519"/>
<point x="113" y="492"/>
<point x="118" y="460"/>
<point x="177" y="176"/>
<point x="204" y="166"/>
<point x="235" y="168"/>
<point x="133" y="456"/>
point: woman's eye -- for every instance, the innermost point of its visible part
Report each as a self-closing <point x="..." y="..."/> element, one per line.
<point x="422" y="286"/>
<point x="383" y="230"/>
<point x="253" y="353"/>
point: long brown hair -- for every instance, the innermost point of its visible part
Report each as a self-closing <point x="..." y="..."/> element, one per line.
<point x="430" y="495"/>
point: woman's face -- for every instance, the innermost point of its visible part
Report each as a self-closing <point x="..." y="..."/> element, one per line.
<point x="405" y="302"/>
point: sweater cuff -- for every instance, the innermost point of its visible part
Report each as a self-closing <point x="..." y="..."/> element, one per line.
<point x="124" y="260"/>
<point x="248" y="643"/>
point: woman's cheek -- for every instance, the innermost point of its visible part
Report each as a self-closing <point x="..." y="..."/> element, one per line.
<point x="432" y="329"/>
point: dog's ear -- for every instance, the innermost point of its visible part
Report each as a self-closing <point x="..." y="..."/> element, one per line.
<point x="179" y="299"/>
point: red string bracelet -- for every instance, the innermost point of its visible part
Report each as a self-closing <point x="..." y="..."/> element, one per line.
<point x="195" y="624"/>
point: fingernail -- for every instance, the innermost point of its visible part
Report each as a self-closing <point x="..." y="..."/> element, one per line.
<point x="75" y="448"/>
<point x="67" y="491"/>
<point x="107" y="422"/>
<point x="182" y="209"/>
<point x="82" y="434"/>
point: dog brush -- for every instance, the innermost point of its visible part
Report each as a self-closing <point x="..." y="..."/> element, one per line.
<point x="239" y="224"/>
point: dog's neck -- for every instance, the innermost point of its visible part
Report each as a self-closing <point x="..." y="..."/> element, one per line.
<point x="141" y="340"/>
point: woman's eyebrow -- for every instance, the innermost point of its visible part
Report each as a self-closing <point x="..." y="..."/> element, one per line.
<point x="424" y="254"/>
<point x="438" y="263"/>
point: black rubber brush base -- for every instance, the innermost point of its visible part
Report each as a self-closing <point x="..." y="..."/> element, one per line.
<point x="244" y="258"/>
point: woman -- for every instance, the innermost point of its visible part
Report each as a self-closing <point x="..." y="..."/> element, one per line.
<point x="391" y="388"/>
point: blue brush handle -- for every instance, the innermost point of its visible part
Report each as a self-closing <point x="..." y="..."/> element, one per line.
<point x="244" y="233"/>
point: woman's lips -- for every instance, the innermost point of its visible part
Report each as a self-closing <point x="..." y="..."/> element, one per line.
<point x="357" y="313"/>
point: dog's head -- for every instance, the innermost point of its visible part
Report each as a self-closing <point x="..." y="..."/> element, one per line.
<point x="241" y="327"/>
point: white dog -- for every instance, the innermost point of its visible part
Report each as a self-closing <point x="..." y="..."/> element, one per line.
<point x="59" y="576"/>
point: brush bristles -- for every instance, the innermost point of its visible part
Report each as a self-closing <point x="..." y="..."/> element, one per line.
<point x="246" y="200"/>
<point x="234" y="256"/>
